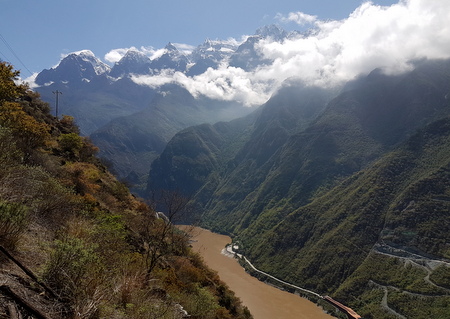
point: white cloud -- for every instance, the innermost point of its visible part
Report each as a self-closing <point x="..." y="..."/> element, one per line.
<point x="224" y="83"/>
<point x="115" y="55"/>
<point x="166" y="76"/>
<point x="184" y="48"/>
<point x="373" y="36"/>
<point x="299" y="17"/>
<point x="157" y="53"/>
<point x="31" y="80"/>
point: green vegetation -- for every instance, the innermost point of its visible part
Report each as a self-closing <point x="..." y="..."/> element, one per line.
<point x="13" y="222"/>
<point x="441" y="276"/>
<point x="101" y="251"/>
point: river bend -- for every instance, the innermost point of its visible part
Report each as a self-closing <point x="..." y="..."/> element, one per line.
<point x="263" y="301"/>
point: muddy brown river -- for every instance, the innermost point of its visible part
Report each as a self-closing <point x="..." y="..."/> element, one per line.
<point x="263" y="301"/>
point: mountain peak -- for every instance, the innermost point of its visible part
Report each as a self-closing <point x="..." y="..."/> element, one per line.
<point x="171" y="59"/>
<point x="272" y="31"/>
<point x="89" y="56"/>
<point x="85" y="53"/>
<point x="207" y="42"/>
<point x="170" y="47"/>
<point x="134" y="56"/>
<point x="76" y="67"/>
<point x="133" y="62"/>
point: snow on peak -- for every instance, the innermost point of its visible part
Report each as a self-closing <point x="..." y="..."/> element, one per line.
<point x="272" y="31"/>
<point x="216" y="50"/>
<point x="135" y="56"/>
<point x="84" y="53"/>
<point x="89" y="56"/>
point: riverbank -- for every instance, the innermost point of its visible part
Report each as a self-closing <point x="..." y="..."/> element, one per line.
<point x="263" y="301"/>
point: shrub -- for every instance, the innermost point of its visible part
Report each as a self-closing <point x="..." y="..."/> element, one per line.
<point x="70" y="145"/>
<point x="9" y="90"/>
<point x="200" y="303"/>
<point x="29" y="133"/>
<point x="74" y="272"/>
<point x="33" y="187"/>
<point x="10" y="154"/>
<point x="67" y="125"/>
<point x="13" y="221"/>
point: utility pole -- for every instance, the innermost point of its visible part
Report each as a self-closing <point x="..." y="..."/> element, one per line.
<point x="57" y="94"/>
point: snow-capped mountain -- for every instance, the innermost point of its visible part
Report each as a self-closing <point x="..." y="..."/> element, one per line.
<point x="247" y="56"/>
<point x="215" y="50"/>
<point x="83" y="66"/>
<point x="171" y="59"/>
<point x="272" y="31"/>
<point x="133" y="62"/>
<point x="210" y="54"/>
<point x="75" y="67"/>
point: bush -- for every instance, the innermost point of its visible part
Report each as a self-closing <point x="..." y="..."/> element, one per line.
<point x="70" y="145"/>
<point x="29" y="133"/>
<point x="10" y="154"/>
<point x="74" y="272"/>
<point x="13" y="222"/>
<point x="48" y="200"/>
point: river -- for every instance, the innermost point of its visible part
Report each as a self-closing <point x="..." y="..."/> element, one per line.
<point x="263" y="301"/>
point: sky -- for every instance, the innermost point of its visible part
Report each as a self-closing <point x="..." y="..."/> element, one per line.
<point x="348" y="38"/>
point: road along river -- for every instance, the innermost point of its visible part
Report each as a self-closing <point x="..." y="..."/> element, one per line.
<point x="263" y="301"/>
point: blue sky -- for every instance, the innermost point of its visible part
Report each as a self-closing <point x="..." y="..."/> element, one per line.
<point x="39" y="32"/>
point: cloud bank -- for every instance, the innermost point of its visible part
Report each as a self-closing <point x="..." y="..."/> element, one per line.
<point x="373" y="36"/>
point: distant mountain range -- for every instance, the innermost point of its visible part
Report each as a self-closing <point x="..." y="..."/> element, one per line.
<point x="132" y="122"/>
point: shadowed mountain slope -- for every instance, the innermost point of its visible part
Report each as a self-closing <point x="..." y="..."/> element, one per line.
<point x="132" y="142"/>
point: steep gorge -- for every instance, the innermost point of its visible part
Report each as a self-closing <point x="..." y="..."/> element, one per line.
<point x="313" y="183"/>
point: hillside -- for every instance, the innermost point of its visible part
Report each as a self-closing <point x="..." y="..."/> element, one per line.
<point x="321" y="199"/>
<point x="132" y="142"/>
<point x="75" y="243"/>
<point x="392" y="217"/>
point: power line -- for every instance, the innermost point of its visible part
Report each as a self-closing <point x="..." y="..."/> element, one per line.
<point x="4" y="56"/>
<point x="14" y="53"/>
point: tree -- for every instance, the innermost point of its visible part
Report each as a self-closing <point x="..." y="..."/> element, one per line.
<point x="9" y="90"/>
<point x="29" y="133"/>
<point x="159" y="236"/>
